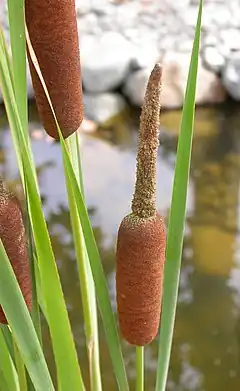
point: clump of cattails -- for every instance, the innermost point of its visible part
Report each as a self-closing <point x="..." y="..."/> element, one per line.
<point x="14" y="239"/>
<point x="52" y="28"/>
<point x="141" y="237"/>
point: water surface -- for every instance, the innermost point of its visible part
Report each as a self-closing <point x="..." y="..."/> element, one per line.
<point x="205" y="354"/>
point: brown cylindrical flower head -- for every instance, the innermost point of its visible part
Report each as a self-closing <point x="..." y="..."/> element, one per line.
<point x="14" y="239"/>
<point x="141" y="236"/>
<point x="52" y="28"/>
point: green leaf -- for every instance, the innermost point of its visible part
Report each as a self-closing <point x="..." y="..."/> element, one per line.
<point x="18" y="46"/>
<point x="101" y="287"/>
<point x="177" y="216"/>
<point x="84" y="271"/>
<point x="68" y="370"/>
<point x="20" y="368"/>
<point x="7" y="366"/>
<point x="23" y="330"/>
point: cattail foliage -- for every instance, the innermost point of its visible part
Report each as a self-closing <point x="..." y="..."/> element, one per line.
<point x="14" y="239"/>
<point x="141" y="237"/>
<point x="52" y="28"/>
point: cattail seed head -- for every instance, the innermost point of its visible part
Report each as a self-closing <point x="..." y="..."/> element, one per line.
<point x="141" y="237"/>
<point x="140" y="262"/>
<point x="52" y="28"/>
<point x="14" y="239"/>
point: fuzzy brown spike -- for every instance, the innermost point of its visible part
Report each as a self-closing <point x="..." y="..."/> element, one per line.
<point x="52" y="28"/>
<point x="14" y="239"/>
<point x="144" y="199"/>
<point x="141" y="236"/>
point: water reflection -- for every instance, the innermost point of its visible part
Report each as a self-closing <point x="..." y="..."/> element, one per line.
<point x="206" y="349"/>
<point x="205" y="355"/>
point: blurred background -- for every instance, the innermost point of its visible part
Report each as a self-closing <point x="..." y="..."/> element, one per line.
<point x="119" y="42"/>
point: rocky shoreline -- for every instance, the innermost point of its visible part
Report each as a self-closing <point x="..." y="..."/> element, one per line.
<point x="120" y="40"/>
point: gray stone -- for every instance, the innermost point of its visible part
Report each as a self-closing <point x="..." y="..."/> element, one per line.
<point x="145" y="55"/>
<point x="189" y="16"/>
<point x="175" y="71"/>
<point x="88" y="25"/>
<point x="176" y="66"/>
<point x="231" y="76"/>
<point x="172" y="94"/>
<point x="135" y="86"/>
<point x="210" y="40"/>
<point x="101" y="6"/>
<point x="102" y="107"/>
<point x="105" y="61"/>
<point x="209" y="87"/>
<point x="216" y="17"/>
<point x="180" y="4"/>
<point x="213" y="59"/>
<point x="82" y="7"/>
<point x="230" y="38"/>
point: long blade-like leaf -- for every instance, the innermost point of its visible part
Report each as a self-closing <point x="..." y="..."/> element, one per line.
<point x="69" y="374"/>
<point x="177" y="217"/>
<point x="18" y="46"/>
<point x="7" y="366"/>
<point x="85" y="274"/>
<point x="108" y="318"/>
<point x="23" y="330"/>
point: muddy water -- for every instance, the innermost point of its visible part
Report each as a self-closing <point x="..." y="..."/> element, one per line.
<point x="205" y="355"/>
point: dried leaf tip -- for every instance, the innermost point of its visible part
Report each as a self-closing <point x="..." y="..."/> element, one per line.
<point x="144" y="199"/>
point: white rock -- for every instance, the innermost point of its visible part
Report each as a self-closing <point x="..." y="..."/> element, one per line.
<point x="88" y="126"/>
<point x="216" y="16"/>
<point x="101" y="6"/>
<point x="176" y="66"/>
<point x="145" y="56"/>
<point x="175" y="71"/>
<point x="231" y="76"/>
<point x="213" y="59"/>
<point x="105" y="61"/>
<point x="127" y="15"/>
<point x="82" y="7"/>
<point x="209" y="87"/>
<point x="88" y="25"/>
<point x="210" y="40"/>
<point x="189" y="16"/>
<point x="178" y="4"/>
<point x="221" y="15"/>
<point x="230" y="38"/>
<point x="135" y="86"/>
<point x="102" y="107"/>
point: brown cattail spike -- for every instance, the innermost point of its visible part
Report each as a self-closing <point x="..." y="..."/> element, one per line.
<point x="144" y="199"/>
<point x="52" y="28"/>
<point x="13" y="236"/>
<point x="141" y="236"/>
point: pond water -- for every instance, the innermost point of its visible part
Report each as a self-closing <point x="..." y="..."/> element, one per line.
<point x="206" y="345"/>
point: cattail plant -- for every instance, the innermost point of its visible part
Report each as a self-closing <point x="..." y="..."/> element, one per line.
<point x="14" y="239"/>
<point x="141" y="237"/>
<point x="52" y="28"/>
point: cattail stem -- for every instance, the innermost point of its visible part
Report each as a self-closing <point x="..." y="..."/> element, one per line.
<point x="144" y="199"/>
<point x="139" y="368"/>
